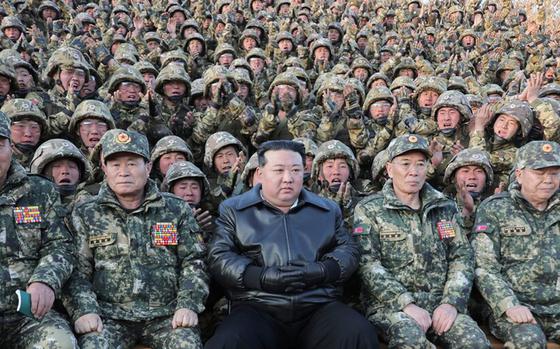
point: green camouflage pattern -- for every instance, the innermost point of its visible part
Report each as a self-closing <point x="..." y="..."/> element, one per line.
<point x="216" y="142"/>
<point x="184" y="169"/>
<point x="55" y="149"/>
<point x="5" y="131"/>
<point x="121" y="141"/>
<point x="469" y="157"/>
<point x="537" y="155"/>
<point x="90" y="109"/>
<point x="18" y="108"/>
<point x="406" y="143"/>
<point x="170" y="144"/>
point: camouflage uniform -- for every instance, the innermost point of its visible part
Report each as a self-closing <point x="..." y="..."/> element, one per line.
<point x="166" y="145"/>
<point x="516" y="256"/>
<point x="36" y="247"/>
<point x="421" y="257"/>
<point x="132" y="270"/>
<point x="89" y="109"/>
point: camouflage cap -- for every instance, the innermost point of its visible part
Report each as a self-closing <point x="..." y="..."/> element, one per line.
<point x="120" y="141"/>
<point x="4" y="126"/>
<point x="548" y="90"/>
<point x="537" y="155"/>
<point x="181" y="170"/>
<point x="405" y="143"/>
<point x="470" y="157"/>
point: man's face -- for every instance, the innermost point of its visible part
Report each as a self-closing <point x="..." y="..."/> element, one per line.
<point x="407" y="72"/>
<point x="360" y="74"/>
<point x="257" y="6"/>
<point x="126" y="174"/>
<point x="12" y="33"/>
<point x="48" y="13"/>
<point x="538" y="185"/>
<point x="4" y="85"/>
<point x="174" y="88"/>
<point x="179" y="17"/>
<point x="128" y="92"/>
<point x="24" y="79"/>
<point x="385" y="56"/>
<point x="408" y="172"/>
<point x="379" y="83"/>
<point x="243" y="91"/>
<point x="322" y="54"/>
<point x="308" y="163"/>
<point x="169" y="159"/>
<point x="249" y="43"/>
<point x="285" y="45"/>
<point x="89" y="87"/>
<point x="284" y="10"/>
<point x="472" y="177"/>
<point x="550" y="73"/>
<point x="335" y="171"/>
<point x="504" y="74"/>
<point x="200" y="103"/>
<point x="72" y="78"/>
<point x="333" y="35"/>
<point x="91" y="130"/>
<point x="379" y="109"/>
<point x="285" y="91"/>
<point x="64" y="172"/>
<point x="26" y="131"/>
<point x="195" y="47"/>
<point x="506" y="126"/>
<point x="448" y="118"/>
<point x="468" y="41"/>
<point x="225" y="158"/>
<point x="5" y="158"/>
<point x="257" y="64"/>
<point x="362" y="42"/>
<point x="189" y="190"/>
<point x="281" y="177"/>
<point x="225" y="59"/>
<point x="153" y="44"/>
<point x="427" y="98"/>
<point x="430" y="39"/>
<point x="149" y="80"/>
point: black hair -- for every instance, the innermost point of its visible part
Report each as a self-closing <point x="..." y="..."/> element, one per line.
<point x="280" y="145"/>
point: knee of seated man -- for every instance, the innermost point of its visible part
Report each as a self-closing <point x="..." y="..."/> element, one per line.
<point x="406" y="334"/>
<point x="525" y="336"/>
<point x="57" y="338"/>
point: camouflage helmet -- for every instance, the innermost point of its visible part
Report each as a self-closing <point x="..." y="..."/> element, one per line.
<point x="251" y="166"/>
<point x="241" y="76"/>
<point x="195" y="36"/>
<point x="49" y="4"/>
<point x="550" y="62"/>
<point x="189" y="23"/>
<point x="285" y="78"/>
<point x="311" y="147"/>
<point x="474" y="100"/>
<point x="361" y="62"/>
<point x="249" y="33"/>
<point x="152" y="36"/>
<point x="430" y="83"/>
<point x="126" y="53"/>
<point x="213" y="74"/>
<point x="469" y="157"/>
<point x="455" y="8"/>
<point x="301" y="75"/>
<point x="336" y="26"/>
<point x="405" y="143"/>
<point x="218" y="141"/>
<point x="17" y="62"/>
<point x="124" y="141"/>
<point x="146" y="67"/>
<point x="256" y="52"/>
<point x="378" y="164"/>
<point x="170" y="144"/>
<point x="65" y="57"/>
<point x="457" y="83"/>
<point x="19" y="108"/>
<point x="548" y="90"/>
<point x="491" y="89"/>
<point x="341" y="69"/>
<point x="520" y="111"/>
<point x="120" y="8"/>
<point x="538" y="155"/>
<point x="284" y="35"/>
<point x="291" y="62"/>
<point x="456" y="100"/>
<point x="224" y="48"/>
<point x="182" y="170"/>
<point x="12" y="22"/>
<point x="173" y="56"/>
<point x="83" y="18"/>
<point x="241" y="63"/>
<point x="56" y="149"/>
<point x="173" y="72"/>
<point x="403" y="81"/>
<point x="126" y="74"/>
<point x="507" y="64"/>
<point x="378" y="93"/>
<point x="468" y="32"/>
<point x="90" y="109"/>
<point x="377" y="76"/>
<point x="322" y="42"/>
<point x="405" y="63"/>
<point x="176" y="8"/>
<point x="331" y="83"/>
<point x="7" y="70"/>
<point x="334" y="149"/>
<point x="5" y="131"/>
<point x="197" y="87"/>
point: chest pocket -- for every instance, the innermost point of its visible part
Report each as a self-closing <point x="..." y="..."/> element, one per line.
<point x="104" y="246"/>
<point x="29" y="238"/>
<point x="517" y="243"/>
<point x="396" y="248"/>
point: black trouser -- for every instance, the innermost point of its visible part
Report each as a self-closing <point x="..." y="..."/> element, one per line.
<point x="333" y="325"/>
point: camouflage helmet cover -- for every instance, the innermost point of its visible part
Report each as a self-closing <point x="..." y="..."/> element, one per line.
<point x="56" y="149"/>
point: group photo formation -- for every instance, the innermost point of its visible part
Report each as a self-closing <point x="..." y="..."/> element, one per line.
<point x="279" y="174"/>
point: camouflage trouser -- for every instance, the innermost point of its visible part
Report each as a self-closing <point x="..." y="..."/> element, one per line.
<point x="157" y="333"/>
<point x="403" y="332"/>
<point x="52" y="332"/>
<point x="526" y="336"/>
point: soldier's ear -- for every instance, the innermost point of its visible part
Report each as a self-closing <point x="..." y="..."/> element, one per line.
<point x="148" y="166"/>
<point x="389" y="168"/>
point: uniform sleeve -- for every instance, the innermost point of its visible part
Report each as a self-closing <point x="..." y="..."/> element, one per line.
<point x="378" y="283"/>
<point x="486" y="244"/>
<point x="205" y="126"/>
<point x="548" y="118"/>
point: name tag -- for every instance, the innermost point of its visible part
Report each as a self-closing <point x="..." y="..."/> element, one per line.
<point x="101" y="240"/>
<point x="520" y="230"/>
<point x="391" y="235"/>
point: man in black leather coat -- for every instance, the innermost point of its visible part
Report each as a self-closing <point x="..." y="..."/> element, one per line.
<point x="282" y="255"/>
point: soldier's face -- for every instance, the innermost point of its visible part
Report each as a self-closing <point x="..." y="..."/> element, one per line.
<point x="126" y="174"/>
<point x="174" y="88"/>
<point x="362" y="42"/>
<point x="149" y="80"/>
<point x="179" y="17"/>
<point x="284" y="10"/>
<point x="550" y="73"/>
<point x="4" y="85"/>
<point x="200" y="103"/>
<point x="360" y="74"/>
<point x="506" y="126"/>
<point x="504" y="74"/>
<point x="408" y="172"/>
<point x="468" y="41"/>
<point x="49" y="13"/>
<point x="335" y="171"/>
<point x="225" y="59"/>
<point x="379" y="83"/>
<point x="26" y="131"/>
<point x="5" y="158"/>
<point x="257" y="5"/>
<point x="285" y="45"/>
<point x="128" y="92"/>
<point x="430" y="39"/>
<point x="407" y="72"/>
<point x="91" y="131"/>
<point x="322" y="54"/>
<point x="472" y="177"/>
<point x="538" y="185"/>
<point x="379" y="109"/>
<point x="89" y="87"/>
<point x="243" y="91"/>
<point x="12" y="33"/>
<point x="63" y="172"/>
<point x="427" y="98"/>
<point x="448" y="118"/>
<point x="385" y="56"/>
<point x="189" y="190"/>
<point x="71" y="78"/>
<point x="249" y="43"/>
<point x="281" y="177"/>
<point x="224" y="159"/>
<point x="195" y="47"/>
<point x="308" y="163"/>
<point x="152" y="45"/>
<point x="333" y="35"/>
<point x="257" y="64"/>
<point x="169" y="159"/>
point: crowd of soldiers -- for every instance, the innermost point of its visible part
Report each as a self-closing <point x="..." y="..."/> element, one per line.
<point x="463" y="94"/>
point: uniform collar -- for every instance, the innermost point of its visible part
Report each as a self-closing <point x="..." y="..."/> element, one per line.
<point x="253" y="197"/>
<point x="152" y="198"/>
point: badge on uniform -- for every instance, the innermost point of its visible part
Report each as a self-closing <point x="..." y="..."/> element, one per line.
<point x="164" y="234"/>
<point x="445" y="229"/>
<point x="359" y="229"/>
<point x="27" y="214"/>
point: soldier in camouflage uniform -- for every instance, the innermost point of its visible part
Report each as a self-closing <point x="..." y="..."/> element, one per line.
<point x="28" y="125"/>
<point x="417" y="265"/>
<point x="515" y="239"/>
<point x="310" y="153"/>
<point x="168" y="150"/>
<point x="8" y="82"/>
<point x="88" y="124"/>
<point x="140" y="275"/>
<point x="37" y="255"/>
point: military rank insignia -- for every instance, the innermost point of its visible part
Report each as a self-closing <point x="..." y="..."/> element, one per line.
<point x="445" y="229"/>
<point x="164" y="234"/>
<point x="28" y="214"/>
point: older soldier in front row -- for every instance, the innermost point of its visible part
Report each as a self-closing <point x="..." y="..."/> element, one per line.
<point x="36" y="255"/>
<point x="140" y="274"/>
<point x="517" y="245"/>
<point x="417" y="265"/>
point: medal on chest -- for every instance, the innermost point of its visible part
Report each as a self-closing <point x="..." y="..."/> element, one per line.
<point x="27" y="214"/>
<point x="164" y="234"/>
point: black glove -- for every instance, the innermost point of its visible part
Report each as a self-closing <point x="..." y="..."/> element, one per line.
<point x="286" y="279"/>
<point x="318" y="273"/>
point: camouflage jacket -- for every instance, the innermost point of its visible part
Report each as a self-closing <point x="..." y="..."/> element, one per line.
<point x="517" y="251"/>
<point x="502" y="156"/>
<point x="272" y="127"/>
<point x="35" y="246"/>
<point x="125" y="271"/>
<point x="408" y="256"/>
<point x="369" y="138"/>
